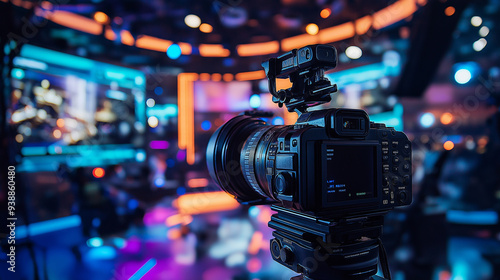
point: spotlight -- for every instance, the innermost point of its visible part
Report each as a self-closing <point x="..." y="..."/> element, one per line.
<point x="101" y="17"/>
<point x="484" y="31"/>
<point x="255" y="101"/>
<point x="174" y="51"/>
<point x="427" y="120"/>
<point x="353" y="52"/>
<point x="153" y="121"/>
<point x="98" y="172"/>
<point x="312" y="29"/>
<point x="479" y="44"/>
<point x="465" y="72"/>
<point x="326" y="12"/>
<point x="476" y="21"/>
<point x="192" y="21"/>
<point x="206" y="28"/>
<point x="448" y="145"/>
<point x="150" y="102"/>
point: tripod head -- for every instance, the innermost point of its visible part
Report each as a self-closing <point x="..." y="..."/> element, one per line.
<point x="327" y="249"/>
<point x="306" y="69"/>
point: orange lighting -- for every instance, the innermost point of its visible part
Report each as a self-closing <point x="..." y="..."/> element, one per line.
<point x="186" y="48"/>
<point x="204" y="77"/>
<point x="255" y="243"/>
<point x="283" y="84"/>
<point x="449" y="11"/>
<point x="197" y="183"/>
<point x="109" y="34"/>
<point x="98" y="172"/>
<point x="206" y="28"/>
<point x="60" y="122"/>
<point x="336" y="33"/>
<point x="57" y="133"/>
<point x="312" y="29"/>
<point x="288" y="117"/>
<point x="174" y="233"/>
<point x="298" y="41"/>
<point x="248" y="76"/>
<point x="213" y="50"/>
<point x="186" y="114"/>
<point x="393" y="13"/>
<point x="75" y="21"/>
<point x="198" y="203"/>
<point x="101" y="17"/>
<point x="152" y="43"/>
<point x="178" y="219"/>
<point x="363" y="24"/>
<point x="446" y="118"/>
<point x="216" y="77"/>
<point x="228" y="77"/>
<point x="258" y="48"/>
<point x="326" y="12"/>
<point x="127" y="38"/>
<point x="448" y="145"/>
<point x="45" y="5"/>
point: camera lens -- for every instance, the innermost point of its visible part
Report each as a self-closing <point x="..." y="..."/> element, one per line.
<point x="236" y="157"/>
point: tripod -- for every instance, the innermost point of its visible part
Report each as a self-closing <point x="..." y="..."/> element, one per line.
<point x="319" y="249"/>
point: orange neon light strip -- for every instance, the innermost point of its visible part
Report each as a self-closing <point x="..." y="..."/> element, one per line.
<point x="198" y="203"/>
<point x="152" y="43"/>
<point x="178" y="219"/>
<point x="75" y="21"/>
<point x="197" y="183"/>
<point x="258" y="48"/>
<point x="394" y="13"/>
<point x="248" y="76"/>
<point x="186" y="48"/>
<point x="127" y="38"/>
<point x="298" y="41"/>
<point x="185" y="97"/>
<point x="336" y="33"/>
<point x="213" y="50"/>
<point x="109" y="34"/>
<point x="363" y="24"/>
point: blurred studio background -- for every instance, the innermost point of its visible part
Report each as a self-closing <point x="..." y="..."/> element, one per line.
<point x="108" y="106"/>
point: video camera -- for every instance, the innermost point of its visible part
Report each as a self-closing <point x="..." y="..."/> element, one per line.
<point x="332" y="175"/>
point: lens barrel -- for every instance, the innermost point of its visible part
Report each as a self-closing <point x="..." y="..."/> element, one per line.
<point x="236" y="157"/>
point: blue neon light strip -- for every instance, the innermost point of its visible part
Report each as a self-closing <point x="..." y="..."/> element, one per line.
<point x="48" y="226"/>
<point x="56" y="58"/>
<point x="143" y="270"/>
<point x="362" y="74"/>
<point x="33" y="151"/>
<point x="472" y="217"/>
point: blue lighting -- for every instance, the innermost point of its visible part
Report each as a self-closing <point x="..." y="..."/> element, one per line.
<point x="140" y="156"/>
<point x="174" y="51"/>
<point x="95" y="242"/>
<point x="170" y="162"/>
<point x="254" y="211"/>
<point x="278" y="121"/>
<point x="102" y="253"/>
<point x="17" y="73"/>
<point x="465" y="72"/>
<point x="120" y="243"/>
<point x="472" y="217"/>
<point x="159" y="182"/>
<point x="143" y="270"/>
<point x="48" y="226"/>
<point x="255" y="101"/>
<point x="206" y="125"/>
<point x="181" y="190"/>
<point x="132" y="204"/>
<point x="427" y="120"/>
<point x="158" y="90"/>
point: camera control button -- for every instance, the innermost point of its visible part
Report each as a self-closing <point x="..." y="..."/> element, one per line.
<point x="283" y="183"/>
<point x="406" y="179"/>
<point x="385" y="158"/>
<point x="386" y="167"/>
<point x="402" y="196"/>
<point x="395" y="159"/>
<point x="286" y="255"/>
<point x="406" y="166"/>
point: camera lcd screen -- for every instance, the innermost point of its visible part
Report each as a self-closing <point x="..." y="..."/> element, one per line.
<point x="350" y="172"/>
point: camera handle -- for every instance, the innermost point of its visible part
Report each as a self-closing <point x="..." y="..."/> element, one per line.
<point x="319" y="249"/>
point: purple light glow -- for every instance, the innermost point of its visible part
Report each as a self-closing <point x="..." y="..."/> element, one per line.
<point x="159" y="145"/>
<point x="181" y="155"/>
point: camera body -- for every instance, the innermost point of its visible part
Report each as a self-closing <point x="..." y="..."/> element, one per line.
<point x="335" y="163"/>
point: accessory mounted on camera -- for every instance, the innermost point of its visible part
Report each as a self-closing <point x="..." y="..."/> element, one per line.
<point x="306" y="69"/>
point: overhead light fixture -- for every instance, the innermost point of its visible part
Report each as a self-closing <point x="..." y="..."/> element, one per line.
<point x="192" y="21"/>
<point x="353" y="52"/>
